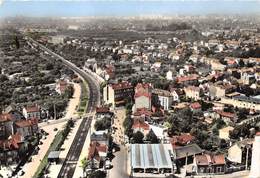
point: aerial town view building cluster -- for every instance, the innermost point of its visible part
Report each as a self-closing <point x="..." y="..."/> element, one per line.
<point x="130" y="89"/>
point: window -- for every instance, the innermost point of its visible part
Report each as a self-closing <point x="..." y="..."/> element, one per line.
<point x="219" y="169"/>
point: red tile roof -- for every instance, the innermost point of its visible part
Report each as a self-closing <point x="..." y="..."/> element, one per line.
<point x="12" y="143"/>
<point x="95" y="148"/>
<point x="27" y="123"/>
<point x="182" y="139"/>
<point x="195" y="105"/>
<point x="226" y="114"/>
<point x="139" y="124"/>
<point x="187" y="78"/>
<point x="142" y="111"/>
<point x="33" y="108"/>
<point x="5" y="117"/>
<point x="102" y="109"/>
<point x="207" y="159"/>
<point x="122" y="85"/>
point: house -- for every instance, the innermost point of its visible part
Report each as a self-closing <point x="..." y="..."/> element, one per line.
<point x="27" y="127"/>
<point x="175" y="94"/>
<point x="193" y="92"/>
<point x="196" y="106"/>
<point x="219" y="90"/>
<point x="140" y="125"/>
<point x="97" y="154"/>
<point x="216" y="65"/>
<point x="32" y="112"/>
<point x="103" y="111"/>
<point x="61" y="86"/>
<point x="142" y="112"/>
<point x="169" y="75"/>
<point x="228" y="117"/>
<point x="165" y="98"/>
<point x="11" y="148"/>
<point x="100" y="136"/>
<point x="248" y="78"/>
<point x="209" y="164"/>
<point x="6" y="125"/>
<point x="224" y="133"/>
<point x="188" y="80"/>
<point x="181" y="140"/>
<point x="117" y="94"/>
<point x="238" y="151"/>
<point x="143" y="96"/>
<point x="187" y="151"/>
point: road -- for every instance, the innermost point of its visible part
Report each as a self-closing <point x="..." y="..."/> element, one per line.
<point x="69" y="165"/>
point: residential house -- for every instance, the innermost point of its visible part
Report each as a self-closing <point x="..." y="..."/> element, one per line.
<point x="196" y="106"/>
<point x="224" y="133"/>
<point x="27" y="127"/>
<point x="181" y="140"/>
<point x="61" y="86"/>
<point x="188" y="80"/>
<point x="207" y="164"/>
<point x="143" y="96"/>
<point x="10" y="149"/>
<point x="248" y="78"/>
<point x="6" y="125"/>
<point x="97" y="154"/>
<point x="228" y="117"/>
<point x="103" y="111"/>
<point x="219" y="90"/>
<point x="32" y="112"/>
<point x="140" y="125"/>
<point x="193" y="92"/>
<point x="175" y="94"/>
<point x="117" y="94"/>
<point x="100" y="136"/>
<point x="164" y="97"/>
<point x="238" y="152"/>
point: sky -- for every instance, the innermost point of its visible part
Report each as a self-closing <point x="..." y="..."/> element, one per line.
<point x="81" y="8"/>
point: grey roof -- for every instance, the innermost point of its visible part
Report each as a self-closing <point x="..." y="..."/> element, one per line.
<point x="151" y="155"/>
<point x="54" y="155"/>
<point x="190" y="150"/>
<point x="247" y="99"/>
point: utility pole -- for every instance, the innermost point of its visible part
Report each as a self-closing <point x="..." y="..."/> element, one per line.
<point x="55" y="114"/>
<point x="247" y="150"/>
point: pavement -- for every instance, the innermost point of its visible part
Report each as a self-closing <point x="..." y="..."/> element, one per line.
<point x="120" y="162"/>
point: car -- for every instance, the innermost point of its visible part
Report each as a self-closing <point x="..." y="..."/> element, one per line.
<point x="108" y="164"/>
<point x="55" y="129"/>
<point x="20" y="173"/>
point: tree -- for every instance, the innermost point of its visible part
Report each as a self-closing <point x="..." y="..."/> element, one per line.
<point x="17" y="44"/>
<point x="152" y="137"/>
<point x="102" y="124"/>
<point x="138" y="137"/>
<point x="84" y="164"/>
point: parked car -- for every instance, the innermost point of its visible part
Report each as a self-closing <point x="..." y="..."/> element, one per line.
<point x="20" y="173"/>
<point x="107" y="164"/>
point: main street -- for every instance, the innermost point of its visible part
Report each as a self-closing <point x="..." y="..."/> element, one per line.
<point x="69" y="165"/>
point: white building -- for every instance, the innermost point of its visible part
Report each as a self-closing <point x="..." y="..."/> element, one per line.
<point x="169" y="75"/>
<point x="255" y="163"/>
<point x="164" y="97"/>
